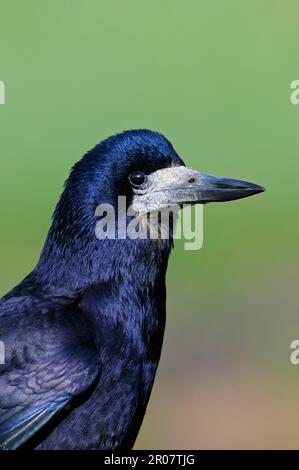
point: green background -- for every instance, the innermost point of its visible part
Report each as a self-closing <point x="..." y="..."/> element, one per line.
<point x="214" y="76"/>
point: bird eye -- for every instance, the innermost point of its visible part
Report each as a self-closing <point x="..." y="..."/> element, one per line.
<point x="137" y="178"/>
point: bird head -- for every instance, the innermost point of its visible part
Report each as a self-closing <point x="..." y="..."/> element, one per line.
<point x="141" y="165"/>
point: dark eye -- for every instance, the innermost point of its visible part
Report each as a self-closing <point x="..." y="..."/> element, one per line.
<point x="137" y="178"/>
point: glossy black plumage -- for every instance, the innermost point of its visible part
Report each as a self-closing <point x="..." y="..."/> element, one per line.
<point x="83" y="332"/>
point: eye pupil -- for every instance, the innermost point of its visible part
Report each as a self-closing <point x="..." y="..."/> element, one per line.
<point x="137" y="178"/>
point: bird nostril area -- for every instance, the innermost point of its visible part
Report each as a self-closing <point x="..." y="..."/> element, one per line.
<point x="191" y="180"/>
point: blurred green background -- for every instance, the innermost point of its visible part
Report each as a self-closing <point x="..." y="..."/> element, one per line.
<point x="215" y="77"/>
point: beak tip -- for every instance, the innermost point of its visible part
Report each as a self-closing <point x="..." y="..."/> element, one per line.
<point x="259" y="189"/>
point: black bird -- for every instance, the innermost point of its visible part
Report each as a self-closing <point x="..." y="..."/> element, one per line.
<point x="83" y="331"/>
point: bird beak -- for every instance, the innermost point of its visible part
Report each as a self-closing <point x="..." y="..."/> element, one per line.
<point x="200" y="188"/>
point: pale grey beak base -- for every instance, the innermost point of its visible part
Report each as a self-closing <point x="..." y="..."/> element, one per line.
<point x="181" y="185"/>
<point x="202" y="188"/>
